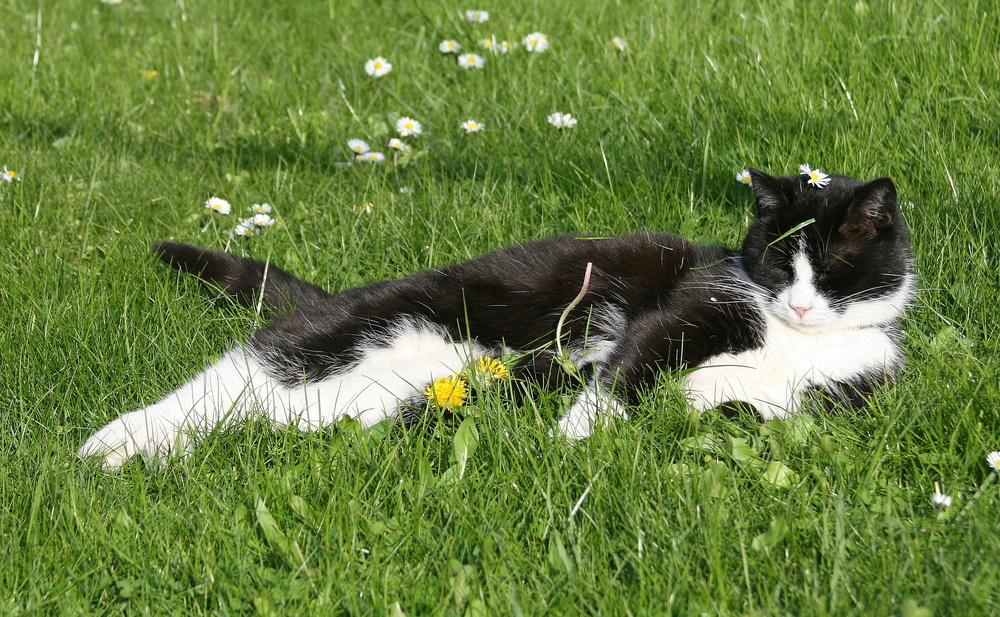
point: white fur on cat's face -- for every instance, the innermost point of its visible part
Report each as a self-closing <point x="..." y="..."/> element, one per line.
<point x="801" y="305"/>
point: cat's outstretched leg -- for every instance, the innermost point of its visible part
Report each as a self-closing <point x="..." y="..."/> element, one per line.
<point x="213" y="398"/>
<point x="390" y="369"/>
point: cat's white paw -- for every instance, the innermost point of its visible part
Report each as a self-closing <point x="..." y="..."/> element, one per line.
<point x="593" y="407"/>
<point x="135" y="434"/>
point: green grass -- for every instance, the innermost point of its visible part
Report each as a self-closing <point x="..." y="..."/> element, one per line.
<point x="667" y="514"/>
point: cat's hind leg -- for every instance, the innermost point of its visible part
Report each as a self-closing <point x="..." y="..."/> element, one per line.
<point x="391" y="368"/>
<point x="218" y="396"/>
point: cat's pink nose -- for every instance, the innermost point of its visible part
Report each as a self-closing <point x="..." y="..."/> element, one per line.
<point x="801" y="310"/>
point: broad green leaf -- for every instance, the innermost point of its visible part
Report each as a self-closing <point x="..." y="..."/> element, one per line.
<point x="465" y="443"/>
<point x="778" y="474"/>
<point x="715" y="479"/>
<point x="776" y="532"/>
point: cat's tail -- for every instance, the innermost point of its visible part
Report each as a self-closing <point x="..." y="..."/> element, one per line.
<point x="252" y="283"/>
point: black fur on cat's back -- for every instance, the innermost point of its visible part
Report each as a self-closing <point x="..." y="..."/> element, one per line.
<point x="511" y="297"/>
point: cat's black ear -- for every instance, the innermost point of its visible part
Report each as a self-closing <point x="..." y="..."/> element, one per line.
<point x="768" y="191"/>
<point x="873" y="209"/>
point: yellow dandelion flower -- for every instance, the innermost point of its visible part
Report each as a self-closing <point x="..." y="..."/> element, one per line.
<point x="149" y="74"/>
<point x="447" y="392"/>
<point x="490" y="368"/>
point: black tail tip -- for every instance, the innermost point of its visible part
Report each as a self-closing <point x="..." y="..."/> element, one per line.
<point x="181" y="256"/>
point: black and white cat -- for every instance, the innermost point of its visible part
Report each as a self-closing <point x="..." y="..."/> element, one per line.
<point x="808" y="306"/>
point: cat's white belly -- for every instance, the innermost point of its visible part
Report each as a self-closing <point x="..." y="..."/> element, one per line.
<point x="775" y="376"/>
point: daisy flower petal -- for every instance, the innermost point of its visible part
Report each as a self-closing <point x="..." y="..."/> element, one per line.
<point x="818" y="179"/>
<point x="260" y="220"/>
<point x="941" y="500"/>
<point x="536" y="41"/>
<point x="993" y="460"/>
<point x="744" y="177"/>
<point x="9" y="175"/>
<point x="470" y="61"/>
<point x="561" y="120"/>
<point x="358" y="146"/>
<point x="619" y="43"/>
<point x="471" y="126"/>
<point x="377" y="67"/>
<point x="219" y="205"/>
<point x="408" y="126"/>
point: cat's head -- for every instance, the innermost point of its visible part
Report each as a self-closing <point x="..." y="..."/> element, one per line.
<point x="836" y="256"/>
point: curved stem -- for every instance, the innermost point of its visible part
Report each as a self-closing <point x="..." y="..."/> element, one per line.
<point x="572" y="305"/>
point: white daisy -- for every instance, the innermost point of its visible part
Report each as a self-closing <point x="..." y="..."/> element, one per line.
<point x="941" y="500"/>
<point x="259" y="220"/>
<point x="816" y="177"/>
<point x="993" y="460"/>
<point x="219" y="205"/>
<point x="260" y="208"/>
<point x="471" y="126"/>
<point x="479" y="16"/>
<point x="377" y="67"/>
<point x="490" y="44"/>
<point x="561" y="120"/>
<point x="358" y="146"/>
<point x="744" y="177"/>
<point x="397" y="144"/>
<point x="373" y="157"/>
<point x="504" y="47"/>
<point x="619" y="43"/>
<point x="9" y="175"/>
<point x="536" y="41"/>
<point x="243" y="229"/>
<point x="408" y="126"/>
<point x="468" y="61"/>
<point x="449" y="47"/>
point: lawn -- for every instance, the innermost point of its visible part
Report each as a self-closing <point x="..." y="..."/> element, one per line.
<point x="121" y="120"/>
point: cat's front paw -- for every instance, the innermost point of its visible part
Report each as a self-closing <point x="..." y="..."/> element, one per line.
<point x="134" y="434"/>
<point x="593" y="407"/>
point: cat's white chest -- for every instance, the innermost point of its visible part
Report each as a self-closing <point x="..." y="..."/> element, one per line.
<point x="775" y="376"/>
